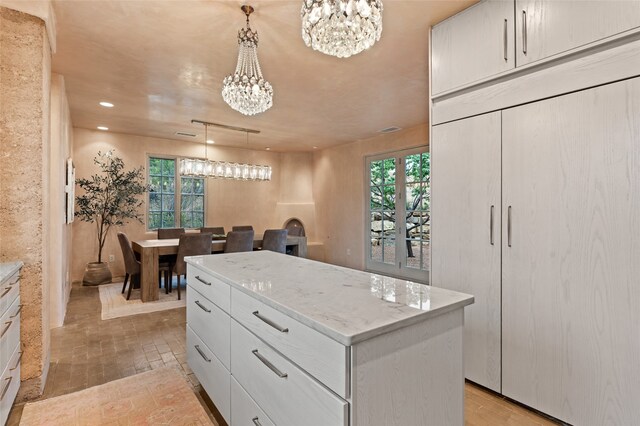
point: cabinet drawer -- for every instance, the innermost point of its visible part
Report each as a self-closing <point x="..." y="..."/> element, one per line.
<point x="244" y="410"/>
<point x="286" y="394"/>
<point x="210" y="323"/>
<point x="9" y="385"/>
<point x="9" y="290"/>
<point x="9" y="333"/>
<point x="319" y="355"/>
<point x="210" y="287"/>
<point x="211" y="374"/>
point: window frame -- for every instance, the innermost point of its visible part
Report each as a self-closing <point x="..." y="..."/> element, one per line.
<point x="398" y="269"/>
<point x="177" y="206"/>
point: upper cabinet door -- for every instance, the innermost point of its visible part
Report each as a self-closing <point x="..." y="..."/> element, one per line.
<point x="548" y="27"/>
<point x="472" y="45"/>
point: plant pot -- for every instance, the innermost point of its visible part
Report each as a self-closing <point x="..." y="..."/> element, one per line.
<point x="96" y="273"/>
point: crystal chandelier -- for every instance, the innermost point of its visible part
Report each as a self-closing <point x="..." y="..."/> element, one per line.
<point x="341" y="27"/>
<point x="191" y="167"/>
<point x="246" y="90"/>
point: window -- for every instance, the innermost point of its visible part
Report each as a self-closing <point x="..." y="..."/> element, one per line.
<point x="168" y="190"/>
<point x="398" y="196"/>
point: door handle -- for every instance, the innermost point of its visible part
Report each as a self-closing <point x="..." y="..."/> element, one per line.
<point x="271" y="323"/>
<point x="509" y="226"/>
<point x="505" y="41"/>
<point x="202" y="354"/>
<point x="491" y="226"/>
<point x="524" y="32"/>
<point x="269" y="364"/>
<point x="256" y="421"/>
<point x="204" y="308"/>
<point x="202" y="281"/>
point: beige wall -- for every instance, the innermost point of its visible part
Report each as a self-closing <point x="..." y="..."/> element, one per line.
<point x="228" y="202"/>
<point x="338" y="191"/>
<point x="61" y="145"/>
<point x="25" y="71"/>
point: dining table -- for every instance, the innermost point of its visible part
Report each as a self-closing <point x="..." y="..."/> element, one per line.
<point x="149" y="252"/>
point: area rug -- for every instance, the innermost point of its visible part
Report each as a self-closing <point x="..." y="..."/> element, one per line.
<point x="157" y="397"/>
<point x="115" y="304"/>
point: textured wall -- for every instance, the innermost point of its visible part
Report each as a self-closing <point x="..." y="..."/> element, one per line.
<point x="338" y="191"/>
<point x="24" y="133"/>
<point x="228" y="202"/>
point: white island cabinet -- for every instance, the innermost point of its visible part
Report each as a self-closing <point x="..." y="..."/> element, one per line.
<point x="281" y="340"/>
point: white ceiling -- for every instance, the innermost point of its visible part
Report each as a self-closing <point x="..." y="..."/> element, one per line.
<point x="162" y="64"/>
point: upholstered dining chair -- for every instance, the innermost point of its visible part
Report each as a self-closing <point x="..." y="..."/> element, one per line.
<point x="275" y="240"/>
<point x="190" y="245"/>
<point x="132" y="265"/>
<point x="242" y="228"/>
<point x="169" y="233"/>
<point x="238" y="241"/>
<point x="217" y="231"/>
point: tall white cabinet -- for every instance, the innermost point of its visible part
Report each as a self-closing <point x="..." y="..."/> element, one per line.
<point x="555" y="323"/>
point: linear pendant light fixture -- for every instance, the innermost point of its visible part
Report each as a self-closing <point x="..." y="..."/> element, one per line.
<point x="190" y="167"/>
<point x="246" y="90"/>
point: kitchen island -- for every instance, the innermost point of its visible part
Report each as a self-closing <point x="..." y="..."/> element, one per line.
<point x="281" y="340"/>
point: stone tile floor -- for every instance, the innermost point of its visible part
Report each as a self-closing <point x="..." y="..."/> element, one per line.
<point x="88" y="351"/>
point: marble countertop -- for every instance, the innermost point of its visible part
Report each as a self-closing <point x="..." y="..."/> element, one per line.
<point x="347" y="305"/>
<point x="8" y="269"/>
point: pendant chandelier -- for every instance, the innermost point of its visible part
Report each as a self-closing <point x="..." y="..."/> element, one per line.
<point x="246" y="90"/>
<point x="191" y="167"/>
<point x="341" y="27"/>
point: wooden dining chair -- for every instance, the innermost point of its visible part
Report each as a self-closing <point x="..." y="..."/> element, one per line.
<point x="275" y="240"/>
<point x="132" y="265"/>
<point x="242" y="228"/>
<point x="170" y="233"/>
<point x="238" y="241"/>
<point x="190" y="245"/>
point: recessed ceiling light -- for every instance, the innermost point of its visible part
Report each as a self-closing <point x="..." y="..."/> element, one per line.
<point x="106" y="104"/>
<point x="315" y="147"/>
<point x="103" y="128"/>
<point x="268" y="149"/>
<point x="211" y="141"/>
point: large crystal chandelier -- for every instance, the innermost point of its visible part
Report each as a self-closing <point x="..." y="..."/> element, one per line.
<point x="246" y="90"/>
<point x="341" y="27"/>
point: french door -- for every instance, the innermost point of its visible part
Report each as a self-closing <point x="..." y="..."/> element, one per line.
<point x="397" y="214"/>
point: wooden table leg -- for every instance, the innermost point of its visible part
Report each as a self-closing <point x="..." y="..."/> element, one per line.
<point x="149" y="275"/>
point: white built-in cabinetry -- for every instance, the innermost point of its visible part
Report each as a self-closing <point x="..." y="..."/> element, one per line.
<point x="10" y="352"/>
<point x="555" y="323"/>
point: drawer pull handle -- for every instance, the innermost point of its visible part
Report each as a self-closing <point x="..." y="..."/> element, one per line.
<point x="204" y="308"/>
<point x="6" y="328"/>
<point x="268" y="364"/>
<point x="17" y="312"/>
<point x="256" y="421"/>
<point x="202" y="354"/>
<point x="6" y="387"/>
<point x="271" y="323"/>
<point x="202" y="281"/>
<point x="6" y="290"/>
<point x="17" y="363"/>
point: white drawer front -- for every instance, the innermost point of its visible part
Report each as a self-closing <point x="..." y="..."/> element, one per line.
<point x="211" y="324"/>
<point x="295" y="399"/>
<point x="213" y="377"/>
<point x="319" y="355"/>
<point x="9" y="333"/>
<point x="210" y="287"/>
<point x="9" y="385"/>
<point x="9" y="290"/>
<point x="244" y="410"/>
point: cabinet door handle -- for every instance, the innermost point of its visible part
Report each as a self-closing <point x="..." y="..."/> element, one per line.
<point x="524" y="32"/>
<point x="271" y="323"/>
<point x="6" y="290"/>
<point x="6" y="328"/>
<point x="202" y="281"/>
<point x="17" y="363"/>
<point x="491" y="226"/>
<point x="202" y="354"/>
<point x="204" y="308"/>
<point x="6" y="387"/>
<point x="256" y="421"/>
<point x="505" y="41"/>
<point x="269" y="364"/>
<point x="509" y="226"/>
<point x="17" y="312"/>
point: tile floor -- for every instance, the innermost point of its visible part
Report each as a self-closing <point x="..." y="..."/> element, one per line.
<point x="88" y="351"/>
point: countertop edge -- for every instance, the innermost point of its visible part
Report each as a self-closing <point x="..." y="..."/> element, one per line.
<point x="346" y="340"/>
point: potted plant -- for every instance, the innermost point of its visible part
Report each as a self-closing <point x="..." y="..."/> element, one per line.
<point x="111" y="197"/>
